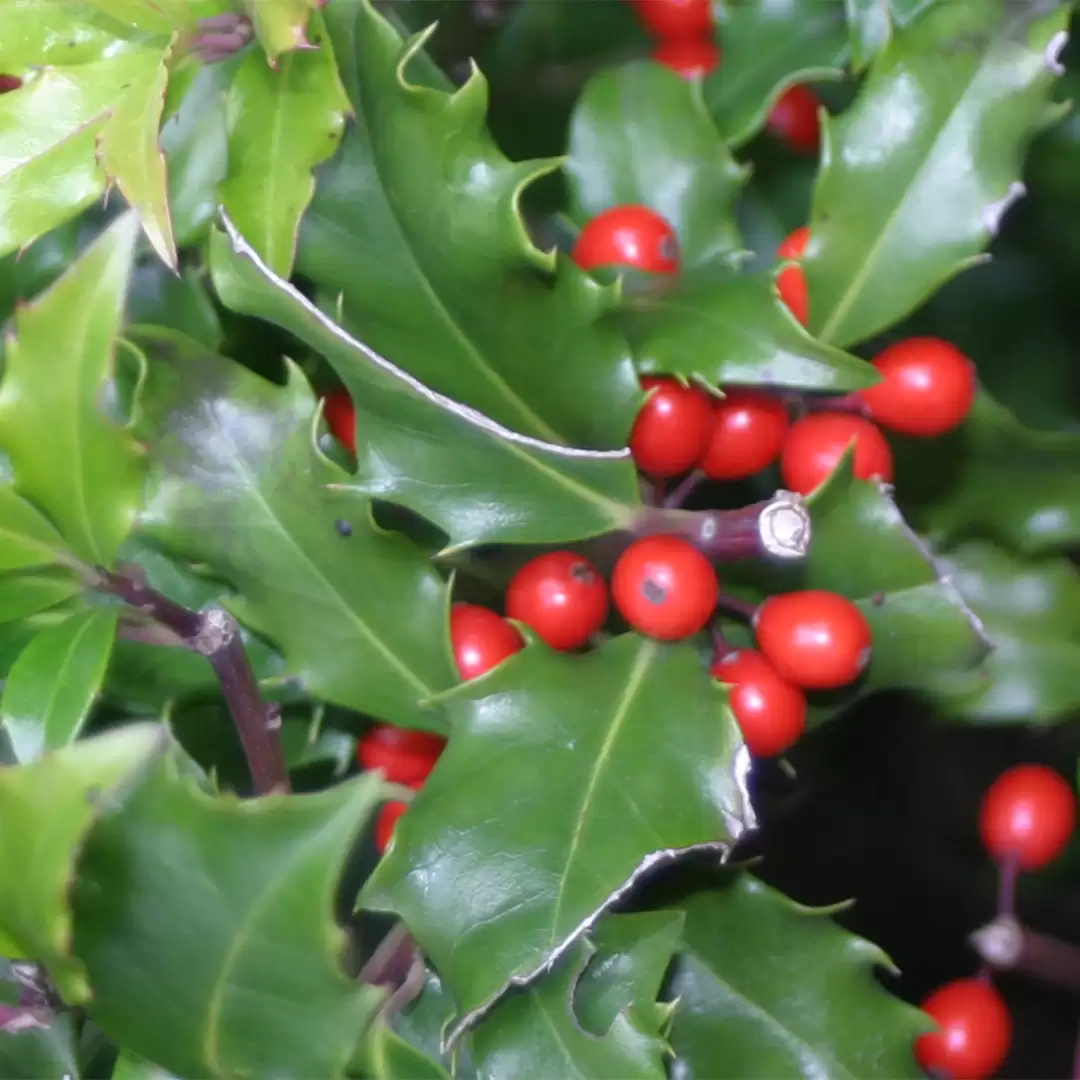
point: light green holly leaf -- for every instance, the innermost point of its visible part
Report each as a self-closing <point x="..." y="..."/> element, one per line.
<point x="87" y="475"/>
<point x="281" y="25"/>
<point x="27" y="539"/>
<point x="153" y="16"/>
<point x="282" y="123"/>
<point x="917" y="174"/>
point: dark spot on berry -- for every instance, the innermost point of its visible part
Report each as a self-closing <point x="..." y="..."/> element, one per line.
<point x="583" y="572"/>
<point x="343" y="527"/>
<point x="669" y="249"/>
<point x="655" y="594"/>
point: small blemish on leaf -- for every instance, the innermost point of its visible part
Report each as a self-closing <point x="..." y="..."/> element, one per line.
<point x="343" y="527"/>
<point x="877" y="599"/>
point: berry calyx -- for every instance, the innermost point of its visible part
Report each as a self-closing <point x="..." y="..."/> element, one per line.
<point x="1028" y="814"/>
<point x="628" y="236"/>
<point x="928" y="387"/>
<point x="664" y="588"/>
<point x="386" y="822"/>
<point x="672" y="428"/>
<point x="8" y="83"/>
<point x="405" y="757"/>
<point x="791" y="282"/>
<point x="814" y="639"/>
<point x="562" y="596"/>
<point x="692" y="58"/>
<point x="341" y="417"/>
<point x="974" y="1031"/>
<point x="675" y="18"/>
<point x="816" y="443"/>
<point x="481" y="639"/>
<point x="748" y="432"/>
<point x="794" y="118"/>
<point x="770" y="711"/>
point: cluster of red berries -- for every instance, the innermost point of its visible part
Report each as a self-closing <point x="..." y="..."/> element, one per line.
<point x="686" y="43"/>
<point x="1027" y="818"/>
<point x="928" y="386"/>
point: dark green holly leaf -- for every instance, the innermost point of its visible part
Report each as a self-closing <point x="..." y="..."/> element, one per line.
<point x="282" y="123"/>
<point x="357" y="612"/>
<point x="388" y="1056"/>
<point x="767" y="988"/>
<point x="41" y="1053"/>
<point x="767" y="48"/>
<point x="130" y="1066"/>
<point x="479" y="482"/>
<point x="88" y="474"/>
<point x="919" y="171"/>
<point x="641" y="134"/>
<point x="423" y="1023"/>
<point x="1031" y="612"/>
<point x="733" y="329"/>
<point x="495" y="880"/>
<point x="254" y="986"/>
<point x="67" y="789"/>
<point x="995" y="477"/>
<point x="281" y="25"/>
<point x="535" y="1033"/>
<point x="416" y="225"/>
<point x="159" y="297"/>
<point x="51" y="688"/>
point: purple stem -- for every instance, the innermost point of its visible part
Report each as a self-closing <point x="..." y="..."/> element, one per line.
<point x="740" y="608"/>
<point x="1008" y="874"/>
<point x="683" y="490"/>
<point x="851" y="403"/>
<point x="1006" y="945"/>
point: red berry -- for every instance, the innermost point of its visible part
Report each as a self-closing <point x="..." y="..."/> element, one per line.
<point x="340" y="415"/>
<point x="816" y="443"/>
<point x="795" y="119"/>
<point x="631" y="236"/>
<point x="385" y="822"/>
<point x="664" y="588"/>
<point x="1029" y="813"/>
<point x="791" y="283"/>
<point x="692" y="58"/>
<point x="815" y="639"/>
<point x="675" y="18"/>
<point x="9" y="83"/>
<point x="771" y="712"/>
<point x="928" y="387"/>
<point x="974" y="1031"/>
<point x="672" y="429"/>
<point x="561" y="596"/>
<point x="405" y="757"/>
<point x="748" y="432"/>
<point x="481" y="639"/>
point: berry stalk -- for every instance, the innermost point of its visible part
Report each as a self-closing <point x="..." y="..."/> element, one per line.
<point x="1006" y="945"/>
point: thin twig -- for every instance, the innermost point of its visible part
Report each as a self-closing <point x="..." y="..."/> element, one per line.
<point x="1006" y="945"/>
<point x="683" y="490"/>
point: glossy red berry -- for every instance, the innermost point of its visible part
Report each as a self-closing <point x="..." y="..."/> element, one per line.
<point x="675" y="18"/>
<point x="816" y="443"/>
<point x="973" y="1035"/>
<point x="562" y="596"/>
<point x="1028" y="813"/>
<point x="770" y="711"/>
<point x="791" y="283"/>
<point x="9" y="83"/>
<point x="815" y="639"/>
<point x="481" y="639"/>
<point x="629" y="236"/>
<point x="341" y="417"/>
<point x="672" y="429"/>
<point x="928" y="387"/>
<point x="692" y="58"/>
<point x="405" y="757"/>
<point x="664" y="588"/>
<point x="386" y="822"/>
<point x="795" y="119"/>
<point x="748" y="432"/>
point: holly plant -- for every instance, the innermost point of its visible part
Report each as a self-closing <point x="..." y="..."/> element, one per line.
<point x="479" y="479"/>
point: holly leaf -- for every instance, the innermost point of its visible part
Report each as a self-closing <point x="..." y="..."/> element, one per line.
<point x="535" y="1033"/>
<point x="476" y="480"/>
<point x="497" y="880"/>
<point x="254" y="986"/>
<point x="27" y="539"/>
<point x="765" y="987"/>
<point x="388" y="1056"/>
<point x="130" y="1066"/>
<point x="48" y="1051"/>
<point x="421" y="1025"/>
<point x="416" y="225"/>
<point x="81" y="120"/>
<point x="49" y="691"/>
<point x="153" y="16"/>
<point x="88" y="474"/>
<point x="1029" y="608"/>
<point x="49" y="806"/>
<point x="358" y="613"/>
<point x="997" y="478"/>
<point x="871" y="22"/>
<point x="768" y="48"/>
<point x="641" y="134"/>
<point x="282" y="123"/>
<point x="29" y="593"/>
<point x="281" y="25"/>
<point x="917" y="174"/>
<point x="733" y="329"/>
